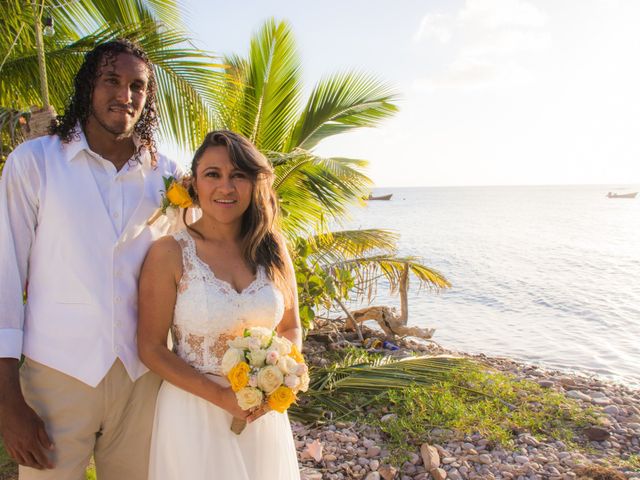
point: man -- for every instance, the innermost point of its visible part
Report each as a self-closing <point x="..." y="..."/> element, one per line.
<point x="73" y="211"/>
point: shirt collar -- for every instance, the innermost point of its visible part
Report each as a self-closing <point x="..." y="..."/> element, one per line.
<point x="79" y="144"/>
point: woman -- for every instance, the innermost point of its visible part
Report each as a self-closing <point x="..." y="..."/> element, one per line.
<point x="227" y="271"/>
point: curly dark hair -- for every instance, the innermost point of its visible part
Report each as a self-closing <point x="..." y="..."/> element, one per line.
<point x="79" y="106"/>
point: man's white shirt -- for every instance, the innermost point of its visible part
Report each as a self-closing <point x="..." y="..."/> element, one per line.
<point x="75" y="229"/>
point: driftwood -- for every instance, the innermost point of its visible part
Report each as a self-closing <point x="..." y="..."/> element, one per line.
<point x="392" y="323"/>
<point x="389" y="321"/>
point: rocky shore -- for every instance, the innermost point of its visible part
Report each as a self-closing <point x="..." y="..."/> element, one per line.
<point x="611" y="449"/>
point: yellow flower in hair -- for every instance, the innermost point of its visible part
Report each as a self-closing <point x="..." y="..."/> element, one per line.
<point x="239" y="376"/>
<point x="281" y="398"/>
<point x="178" y="195"/>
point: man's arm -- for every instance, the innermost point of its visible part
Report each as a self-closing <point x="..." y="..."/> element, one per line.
<point x="23" y="432"/>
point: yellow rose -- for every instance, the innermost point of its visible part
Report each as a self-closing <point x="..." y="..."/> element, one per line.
<point x="281" y="398"/>
<point x="178" y="195"/>
<point x="230" y="359"/>
<point x="296" y="355"/>
<point x="239" y="376"/>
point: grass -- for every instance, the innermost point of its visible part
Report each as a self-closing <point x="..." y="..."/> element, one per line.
<point x="495" y="405"/>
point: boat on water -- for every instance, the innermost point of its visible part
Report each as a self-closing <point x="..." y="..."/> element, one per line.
<point x="622" y="195"/>
<point x="379" y="197"/>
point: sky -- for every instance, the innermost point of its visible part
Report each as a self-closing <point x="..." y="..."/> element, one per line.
<point x="491" y="92"/>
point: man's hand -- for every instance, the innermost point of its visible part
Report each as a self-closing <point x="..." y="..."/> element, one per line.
<point x="24" y="436"/>
<point x="22" y="430"/>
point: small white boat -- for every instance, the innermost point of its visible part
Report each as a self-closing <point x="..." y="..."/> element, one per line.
<point x="622" y="195"/>
<point x="379" y="197"/>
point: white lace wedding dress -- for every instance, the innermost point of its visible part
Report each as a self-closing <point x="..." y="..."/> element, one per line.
<point x="191" y="437"/>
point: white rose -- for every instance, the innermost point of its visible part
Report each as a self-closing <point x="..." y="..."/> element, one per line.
<point x="257" y="358"/>
<point x="304" y="382"/>
<point x="249" y="398"/>
<point x="272" y="357"/>
<point x="230" y="359"/>
<point x="287" y="365"/>
<point x="254" y="343"/>
<point x="262" y="334"/>
<point x="302" y="369"/>
<point x="269" y="378"/>
<point x="291" y="381"/>
<point x="280" y="345"/>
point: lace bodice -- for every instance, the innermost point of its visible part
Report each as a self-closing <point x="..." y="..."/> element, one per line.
<point x="209" y="312"/>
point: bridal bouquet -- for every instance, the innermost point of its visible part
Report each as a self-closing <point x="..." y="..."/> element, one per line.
<point x="264" y="368"/>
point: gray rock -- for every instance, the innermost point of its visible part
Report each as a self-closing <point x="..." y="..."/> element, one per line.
<point x="596" y="434"/>
<point x="373" y="451"/>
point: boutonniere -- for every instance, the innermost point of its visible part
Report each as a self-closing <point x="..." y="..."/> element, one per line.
<point x="175" y="195"/>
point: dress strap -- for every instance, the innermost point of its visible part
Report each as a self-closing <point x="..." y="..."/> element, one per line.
<point x="188" y="247"/>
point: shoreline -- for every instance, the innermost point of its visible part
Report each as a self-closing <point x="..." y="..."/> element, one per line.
<point x="612" y="449"/>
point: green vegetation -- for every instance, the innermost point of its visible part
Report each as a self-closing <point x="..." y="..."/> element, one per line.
<point x="429" y="398"/>
<point x="8" y="469"/>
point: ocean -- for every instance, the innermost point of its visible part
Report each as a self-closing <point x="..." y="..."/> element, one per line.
<point x="548" y="275"/>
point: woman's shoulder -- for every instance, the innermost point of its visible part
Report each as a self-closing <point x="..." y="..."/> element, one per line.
<point x="166" y="251"/>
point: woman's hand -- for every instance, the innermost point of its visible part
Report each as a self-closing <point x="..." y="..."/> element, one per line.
<point x="229" y="403"/>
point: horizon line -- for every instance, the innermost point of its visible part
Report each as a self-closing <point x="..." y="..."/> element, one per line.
<point x="618" y="185"/>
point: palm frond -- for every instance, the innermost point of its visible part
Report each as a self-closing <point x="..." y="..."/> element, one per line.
<point x="367" y="270"/>
<point x="341" y="103"/>
<point x="313" y="189"/>
<point x="331" y="386"/>
<point x="271" y="74"/>
<point x="339" y="246"/>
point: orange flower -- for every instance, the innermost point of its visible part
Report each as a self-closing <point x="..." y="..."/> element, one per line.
<point x="239" y="376"/>
<point x="281" y="398"/>
<point x="296" y="355"/>
<point x="178" y="195"/>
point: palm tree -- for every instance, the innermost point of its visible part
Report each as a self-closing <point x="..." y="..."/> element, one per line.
<point x="263" y="100"/>
<point x="189" y="80"/>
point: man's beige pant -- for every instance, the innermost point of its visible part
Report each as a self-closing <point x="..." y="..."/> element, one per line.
<point x="112" y="422"/>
